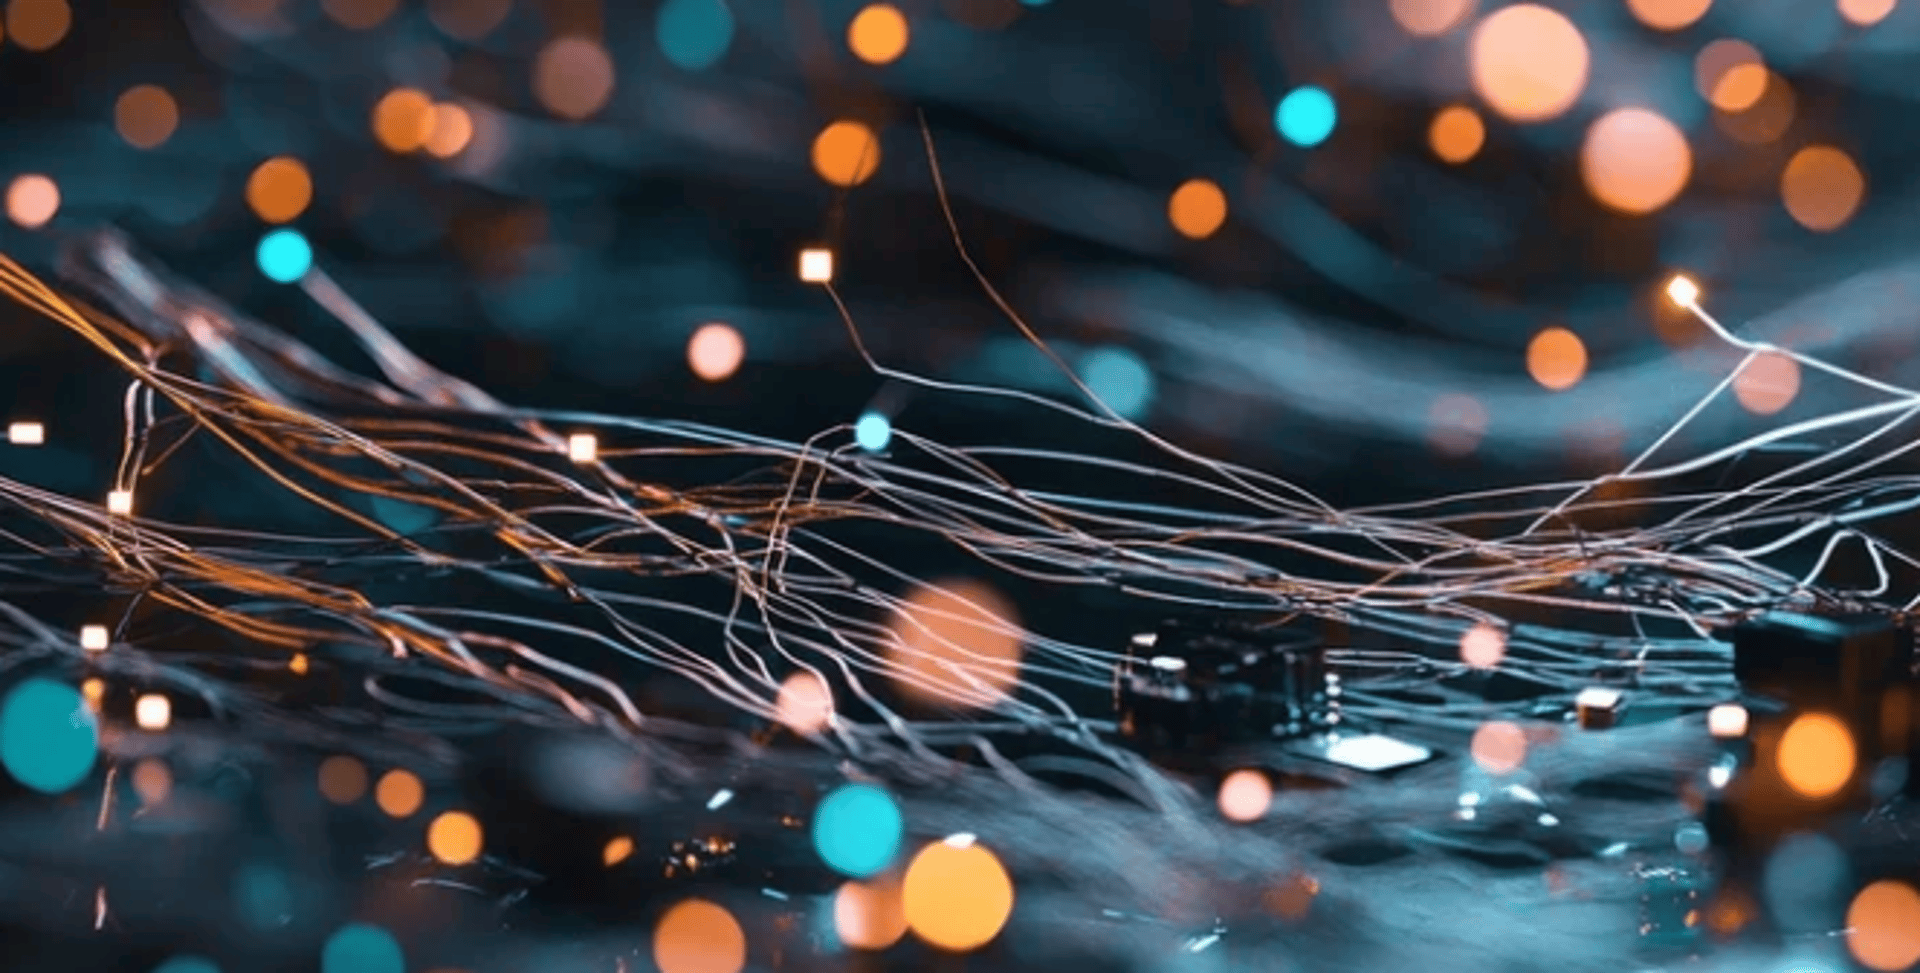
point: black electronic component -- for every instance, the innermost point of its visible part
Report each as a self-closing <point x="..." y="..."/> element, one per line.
<point x="1197" y="685"/>
<point x="1841" y="657"/>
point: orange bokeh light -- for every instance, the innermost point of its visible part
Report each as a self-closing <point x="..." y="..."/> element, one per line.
<point x="1822" y="187"/>
<point x="1245" y="795"/>
<point x="1768" y="383"/>
<point x="279" y="189"/>
<point x="697" y="936"/>
<point x="152" y="781"/>
<point x="878" y="34"/>
<point x="846" y="153"/>
<point x="399" y="793"/>
<point x="617" y="850"/>
<point x="38" y="25"/>
<point x="573" y="77"/>
<point x="715" y="352"/>
<point x="343" y="780"/>
<point x="467" y="20"/>
<point x="146" y="116"/>
<point x="455" y="838"/>
<point x="1430" y="18"/>
<point x="32" y="201"/>
<point x="1730" y="75"/>
<point x="1557" y="359"/>
<point x="1635" y="161"/>
<point x="359" y="14"/>
<point x="1766" y="119"/>
<point x="1816" y="755"/>
<point x="1883" y="926"/>
<point x="1668" y="14"/>
<point x="452" y="131"/>
<point x="1866" y="13"/>
<point x="1529" y="63"/>
<point x="959" y="644"/>
<point x="805" y="704"/>
<point x="957" y="896"/>
<point x="870" y="915"/>
<point x="1197" y="209"/>
<point x="1457" y="133"/>
<point x="1499" y="748"/>
<point x="1483" y="646"/>
<point x="403" y="120"/>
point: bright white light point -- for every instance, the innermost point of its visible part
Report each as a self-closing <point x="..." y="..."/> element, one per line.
<point x="26" y="434"/>
<point x="93" y="638"/>
<point x="1597" y="697"/>
<point x="1245" y="795"/>
<point x="1169" y="663"/>
<point x="153" y="712"/>
<point x="1719" y="776"/>
<point x="719" y="799"/>
<point x="1483" y="646"/>
<point x="120" y="502"/>
<point x="873" y="432"/>
<point x="964" y="839"/>
<point x="1683" y="291"/>
<point x="582" y="447"/>
<point x="1727" y="721"/>
<point x="816" y="265"/>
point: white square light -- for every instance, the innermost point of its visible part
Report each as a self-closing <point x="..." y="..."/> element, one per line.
<point x="1371" y="752"/>
<point x="816" y="265"/>
<point x="93" y="638"/>
<point x="582" y="447"/>
<point x="26" y="434"/>
<point x="153" y="712"/>
<point x="1727" y="721"/>
<point x="120" y="502"/>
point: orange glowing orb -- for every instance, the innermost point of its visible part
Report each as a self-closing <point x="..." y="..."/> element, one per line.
<point x="1245" y="795"/>
<point x="698" y="936"/>
<point x="455" y="838"/>
<point x="1197" y="208"/>
<point x="957" y="896"/>
<point x="1528" y="62"/>
<point x="958" y="643"/>
<point x="1635" y="161"/>
<point x="1816" y="755"/>
<point x="1884" y="926"/>
<point x="869" y="915"/>
<point x="1557" y="359"/>
<point x="1499" y="747"/>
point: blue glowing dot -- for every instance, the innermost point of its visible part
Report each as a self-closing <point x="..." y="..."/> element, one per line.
<point x="187" y="964"/>
<point x="1120" y="379"/>
<point x="48" y="736"/>
<point x="1306" y="116"/>
<point x="263" y="896"/>
<point x="857" y="830"/>
<point x="694" y="34"/>
<point x="360" y="948"/>
<point x="873" y="432"/>
<point x="284" y="256"/>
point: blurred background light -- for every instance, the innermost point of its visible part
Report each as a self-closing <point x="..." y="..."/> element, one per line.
<point x="153" y="712"/>
<point x="1499" y="747"/>
<point x="399" y="793"/>
<point x="362" y="948"/>
<point x="1766" y="119"/>
<point x="573" y="77"/>
<point x="715" y="351"/>
<point x="694" y="34"/>
<point x="279" y="189"/>
<point x="846" y="153"/>
<point x="805" y="703"/>
<point x="1197" y="209"/>
<point x="1456" y="422"/>
<point x="1668" y="14"/>
<point x="1245" y="795"/>
<point x="956" y="895"/>
<point x="1730" y="74"/>
<point x="873" y="432"/>
<point x="1483" y="646"/>
<point x="455" y="838"/>
<point x="48" y="737"/>
<point x="146" y="116"/>
<point x="698" y="936"/>
<point x="1883" y="924"/>
<point x="32" y="200"/>
<point x="284" y="256"/>
<point x="1430" y="18"/>
<point x="869" y="915"/>
<point x="1635" y="161"/>
<point x="359" y="14"/>
<point x="1822" y="187"/>
<point x="403" y="120"/>
<point x="1866" y="13"/>
<point x="1306" y="116"/>
<point x="1816" y="755"/>
<point x="1457" y="133"/>
<point x="187" y="964"/>
<point x="343" y="779"/>
<point x="468" y="20"/>
<point x="38" y="25"/>
<point x="1768" y="383"/>
<point x="1119" y="378"/>
<point x="452" y="130"/>
<point x="878" y="34"/>
<point x="1529" y="63"/>
<point x="959" y="645"/>
<point x="857" y="830"/>
<point x="1556" y="358"/>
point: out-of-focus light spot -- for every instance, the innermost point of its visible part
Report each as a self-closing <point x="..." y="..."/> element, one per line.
<point x="120" y="502"/>
<point x="1456" y="423"/>
<point x="145" y="115"/>
<point x="616" y="851"/>
<point x="467" y="20"/>
<point x="583" y="447"/>
<point x="715" y="352"/>
<point x="1767" y="383"/>
<point x="959" y="644"/>
<point x="1690" y="838"/>
<point x="1119" y="378"/>
<point x="878" y="34"/>
<point x="1668" y="14"/>
<point x="48" y="736"/>
<point x="279" y="189"/>
<point x="1529" y="63"/>
<point x="1766" y="120"/>
<point x="359" y="14"/>
<point x="187" y="964"/>
<point x="284" y="256"/>
<point x="343" y="780"/>
<point x="1635" y="161"/>
<point x="573" y="77"/>
<point x="94" y="638"/>
<point x="455" y="838"/>
<point x="869" y="915"/>
<point x="697" y="936"/>
<point x="1682" y="291"/>
<point x="816" y="265"/>
<point x="1730" y="75"/>
<point x="262" y="896"/>
<point x="694" y="34"/>
<point x="38" y="25"/>
<point x="1883" y="925"/>
<point x="1822" y="188"/>
<point x="1306" y="116"/>
<point x="857" y="830"/>
<point x="399" y="793"/>
<point x="719" y="799"/>
<point x="1457" y="133"/>
<point x="846" y="153"/>
<point x="956" y="898"/>
<point x="1804" y="885"/>
<point x="93" y="690"/>
<point x="1499" y="748"/>
<point x="1197" y="208"/>
<point x="298" y="664"/>
<point x="403" y="120"/>
<point x="362" y="948"/>
<point x="1556" y="358"/>
<point x="873" y="432"/>
<point x="1816" y="755"/>
<point x="1866" y="13"/>
<point x="26" y="433"/>
<point x="32" y="199"/>
<point x="1245" y="795"/>
<point x="452" y="130"/>
<point x="1430" y="18"/>
<point x="152" y="781"/>
<point x="1727" y="721"/>
<point x="153" y="712"/>
<point x="1483" y="646"/>
<point x="805" y="704"/>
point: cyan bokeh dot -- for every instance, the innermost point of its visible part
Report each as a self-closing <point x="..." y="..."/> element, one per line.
<point x="1120" y="379"/>
<point x="263" y="897"/>
<point x="284" y="256"/>
<point x="187" y="964"/>
<point x="48" y="737"/>
<point x="857" y="830"/>
<point x="694" y="34"/>
<point x="360" y="948"/>
<point x="873" y="432"/>
<point x="1306" y="116"/>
